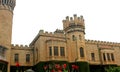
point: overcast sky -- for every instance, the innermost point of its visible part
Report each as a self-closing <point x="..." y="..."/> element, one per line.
<point x="102" y="18"/>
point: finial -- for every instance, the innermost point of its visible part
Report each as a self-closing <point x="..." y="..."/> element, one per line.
<point x="67" y="17"/>
<point x="81" y="17"/>
<point x="75" y="15"/>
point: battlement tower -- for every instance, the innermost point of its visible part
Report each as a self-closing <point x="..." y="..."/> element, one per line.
<point x="6" y="18"/>
<point x="73" y="24"/>
<point x="74" y="28"/>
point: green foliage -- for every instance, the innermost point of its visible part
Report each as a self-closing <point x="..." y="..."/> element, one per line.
<point x="3" y="67"/>
<point x="83" y="66"/>
<point x="50" y="65"/>
<point x="39" y="67"/>
<point x="112" y="69"/>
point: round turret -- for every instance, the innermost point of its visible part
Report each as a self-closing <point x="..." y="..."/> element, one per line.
<point x="7" y="5"/>
<point x="6" y="18"/>
<point x="73" y="24"/>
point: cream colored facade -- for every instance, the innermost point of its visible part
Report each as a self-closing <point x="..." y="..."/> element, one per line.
<point x="68" y="44"/>
<point x="72" y="38"/>
<point x="6" y="16"/>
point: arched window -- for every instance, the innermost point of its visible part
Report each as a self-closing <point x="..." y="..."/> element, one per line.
<point x="81" y="52"/>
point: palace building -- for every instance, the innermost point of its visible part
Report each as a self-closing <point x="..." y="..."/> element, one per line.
<point x="61" y="50"/>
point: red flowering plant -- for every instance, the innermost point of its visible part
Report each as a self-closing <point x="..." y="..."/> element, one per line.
<point x="55" y="68"/>
<point x="17" y="64"/>
<point x="65" y="68"/>
<point x="45" y="68"/>
<point x="49" y="68"/>
<point x="75" y="68"/>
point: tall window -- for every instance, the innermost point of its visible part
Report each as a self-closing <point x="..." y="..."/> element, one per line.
<point x="2" y="51"/>
<point x="55" y="51"/>
<point x="50" y="51"/>
<point x="36" y="54"/>
<point x="104" y="58"/>
<point x="81" y="52"/>
<point x="73" y="37"/>
<point x="112" y="57"/>
<point x="27" y="57"/>
<point x="93" y="56"/>
<point x="6" y="1"/>
<point x="3" y="1"/>
<point x="80" y="37"/>
<point x="62" y="51"/>
<point x="16" y="57"/>
<point x="108" y="56"/>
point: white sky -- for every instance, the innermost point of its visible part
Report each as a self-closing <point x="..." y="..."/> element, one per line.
<point x="102" y="18"/>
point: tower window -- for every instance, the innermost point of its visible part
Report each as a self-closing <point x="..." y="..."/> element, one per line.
<point x="62" y="51"/>
<point x="104" y="58"/>
<point x="55" y="51"/>
<point x="73" y="37"/>
<point x="93" y="56"/>
<point x="27" y="57"/>
<point x="50" y="51"/>
<point x="81" y="52"/>
<point x="2" y="51"/>
<point x="16" y="57"/>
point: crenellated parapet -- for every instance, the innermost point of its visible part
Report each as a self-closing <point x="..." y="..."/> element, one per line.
<point x="57" y="33"/>
<point x="16" y="46"/>
<point x="102" y="42"/>
<point x="76" y="23"/>
<point x="7" y="5"/>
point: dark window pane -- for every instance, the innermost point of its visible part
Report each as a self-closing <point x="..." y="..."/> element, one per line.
<point x="2" y="51"/>
<point x="80" y="37"/>
<point x="62" y="51"/>
<point x="108" y="56"/>
<point x="81" y="52"/>
<point x="55" y="50"/>
<point x="27" y="57"/>
<point x="16" y="57"/>
<point x="104" y="58"/>
<point x="93" y="56"/>
<point x="112" y="57"/>
<point x="50" y="51"/>
<point x="73" y="37"/>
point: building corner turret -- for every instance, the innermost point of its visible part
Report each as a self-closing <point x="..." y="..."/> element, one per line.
<point x="6" y="18"/>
